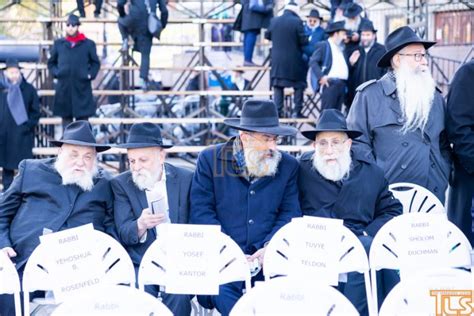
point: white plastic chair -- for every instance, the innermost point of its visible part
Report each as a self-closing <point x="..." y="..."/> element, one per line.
<point x="9" y="281"/>
<point x="233" y="264"/>
<point x="412" y="297"/>
<point x="112" y="300"/>
<point x="350" y="251"/>
<point x="116" y="267"/>
<point x="387" y="246"/>
<point x="288" y="296"/>
<point x="416" y="199"/>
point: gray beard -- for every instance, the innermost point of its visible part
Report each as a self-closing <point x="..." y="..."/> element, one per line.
<point x="260" y="166"/>
<point x="334" y="172"/>
<point x="415" y="91"/>
<point x="85" y="182"/>
<point x="145" y="180"/>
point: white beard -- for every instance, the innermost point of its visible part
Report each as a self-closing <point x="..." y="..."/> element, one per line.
<point x="260" y="166"/>
<point x="145" y="180"/>
<point x="334" y="171"/>
<point x="352" y="24"/>
<point x="84" y="181"/>
<point x="415" y="90"/>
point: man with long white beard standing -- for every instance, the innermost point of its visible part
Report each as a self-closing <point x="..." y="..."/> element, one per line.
<point x="332" y="182"/>
<point x="152" y="192"/>
<point x="50" y="195"/>
<point x="402" y="116"/>
<point x="248" y="187"/>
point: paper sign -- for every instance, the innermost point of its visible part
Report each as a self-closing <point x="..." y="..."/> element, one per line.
<point x="192" y="258"/>
<point x="423" y="244"/>
<point x="311" y="248"/>
<point x="73" y="261"/>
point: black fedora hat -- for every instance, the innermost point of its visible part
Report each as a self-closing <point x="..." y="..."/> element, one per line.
<point x="79" y="133"/>
<point x="314" y="14"/>
<point x="142" y="135"/>
<point x="351" y="10"/>
<point x="331" y="120"/>
<point x="260" y="116"/>
<point x="398" y="39"/>
<point x="336" y="27"/>
<point x="11" y="63"/>
<point x="367" y="25"/>
<point x="73" y="20"/>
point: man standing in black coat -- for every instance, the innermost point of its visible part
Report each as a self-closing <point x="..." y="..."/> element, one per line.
<point x="363" y="61"/>
<point x="460" y="127"/>
<point x="333" y="182"/>
<point x="19" y="115"/>
<point x="133" y="21"/>
<point x="74" y="63"/>
<point x="288" y="66"/>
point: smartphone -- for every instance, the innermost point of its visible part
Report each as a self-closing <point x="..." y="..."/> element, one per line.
<point x="158" y="206"/>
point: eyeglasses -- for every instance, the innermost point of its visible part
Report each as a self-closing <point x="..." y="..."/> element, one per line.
<point x="267" y="138"/>
<point x="71" y="25"/>
<point x="335" y="143"/>
<point x="418" y="56"/>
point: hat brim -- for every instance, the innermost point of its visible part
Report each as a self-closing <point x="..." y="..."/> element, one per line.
<point x="142" y="145"/>
<point x="311" y="134"/>
<point x="384" y="61"/>
<point x="280" y="130"/>
<point x="98" y="147"/>
<point x="312" y="16"/>
<point x="330" y="31"/>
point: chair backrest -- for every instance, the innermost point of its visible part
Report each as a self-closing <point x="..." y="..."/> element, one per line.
<point x="391" y="242"/>
<point x="419" y="295"/>
<point x="350" y="252"/>
<point x="289" y="296"/>
<point x="112" y="300"/>
<point x="9" y="281"/>
<point x="232" y="263"/>
<point x="416" y="199"/>
<point x="116" y="266"/>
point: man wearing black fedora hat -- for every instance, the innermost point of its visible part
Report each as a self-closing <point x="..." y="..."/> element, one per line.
<point x="329" y="68"/>
<point x="50" y="195"/>
<point x="402" y="116"/>
<point x="150" y="193"/>
<point x="332" y="182"/>
<point x="247" y="187"/>
<point x="74" y="63"/>
<point x="354" y="20"/>
<point x="363" y="61"/>
<point x="19" y="115"/>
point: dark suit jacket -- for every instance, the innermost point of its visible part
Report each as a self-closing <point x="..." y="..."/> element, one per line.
<point x="37" y="200"/>
<point x="130" y="201"/>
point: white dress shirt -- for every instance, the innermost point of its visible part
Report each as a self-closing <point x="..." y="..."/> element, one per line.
<point x="339" y="69"/>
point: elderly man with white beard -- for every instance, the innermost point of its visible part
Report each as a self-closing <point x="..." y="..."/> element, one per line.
<point x="402" y="116"/>
<point x="152" y="192"/>
<point x="332" y="182"/>
<point x="50" y="195"/>
<point x="248" y="187"/>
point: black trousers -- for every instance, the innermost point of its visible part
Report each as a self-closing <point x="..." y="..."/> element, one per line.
<point x="460" y="204"/>
<point x="7" y="178"/>
<point x="332" y="97"/>
<point x="144" y="43"/>
<point x="279" y="98"/>
<point x="82" y="12"/>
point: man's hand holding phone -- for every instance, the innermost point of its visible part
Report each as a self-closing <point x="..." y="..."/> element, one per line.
<point x="148" y="220"/>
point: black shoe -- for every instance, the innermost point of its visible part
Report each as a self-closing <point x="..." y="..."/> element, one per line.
<point x="298" y="115"/>
<point x="96" y="15"/>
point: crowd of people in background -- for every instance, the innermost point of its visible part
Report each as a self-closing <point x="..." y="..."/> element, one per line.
<point x="398" y="129"/>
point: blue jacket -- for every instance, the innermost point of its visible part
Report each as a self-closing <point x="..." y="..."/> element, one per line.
<point x="249" y="213"/>
<point x="315" y="36"/>
<point x="129" y="203"/>
<point x="37" y="200"/>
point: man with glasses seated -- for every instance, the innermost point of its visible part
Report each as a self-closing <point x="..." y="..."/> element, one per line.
<point x="337" y="182"/>
<point x="248" y="187"/>
<point x="402" y="116"/>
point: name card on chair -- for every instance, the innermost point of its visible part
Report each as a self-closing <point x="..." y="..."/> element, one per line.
<point x="193" y="254"/>
<point x="423" y="244"/>
<point x="72" y="261"/>
<point x="311" y="248"/>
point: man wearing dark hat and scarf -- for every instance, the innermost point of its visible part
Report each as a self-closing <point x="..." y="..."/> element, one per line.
<point x="314" y="31"/>
<point x="19" y="115"/>
<point x="332" y="182"/>
<point x="402" y="116"/>
<point x="152" y="192"/>
<point x="50" y="195"/>
<point x="248" y="187"/>
<point x="74" y="63"/>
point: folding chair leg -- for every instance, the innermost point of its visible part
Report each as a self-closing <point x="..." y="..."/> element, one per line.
<point x="370" y="298"/>
<point x="375" y="304"/>
<point x="17" y="304"/>
<point x="26" y="303"/>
